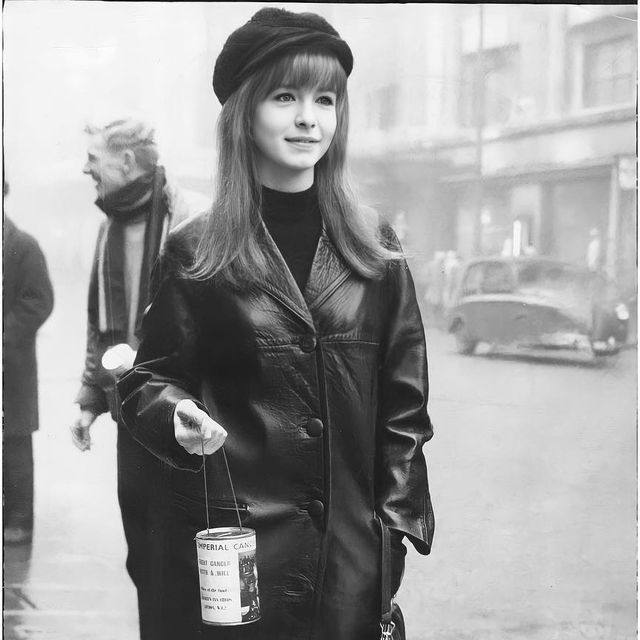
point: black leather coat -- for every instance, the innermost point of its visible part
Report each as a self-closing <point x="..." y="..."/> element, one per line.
<point x="324" y="397"/>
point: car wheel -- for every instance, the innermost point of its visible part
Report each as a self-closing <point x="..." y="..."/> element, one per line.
<point x="464" y="343"/>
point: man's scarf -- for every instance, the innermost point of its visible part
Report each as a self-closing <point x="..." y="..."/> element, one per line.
<point x="142" y="199"/>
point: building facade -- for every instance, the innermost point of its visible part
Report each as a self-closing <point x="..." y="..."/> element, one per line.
<point x="500" y="128"/>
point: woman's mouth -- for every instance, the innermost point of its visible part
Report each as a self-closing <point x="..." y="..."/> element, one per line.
<point x="302" y="140"/>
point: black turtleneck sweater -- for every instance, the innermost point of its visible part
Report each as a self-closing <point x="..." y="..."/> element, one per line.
<point x="295" y="224"/>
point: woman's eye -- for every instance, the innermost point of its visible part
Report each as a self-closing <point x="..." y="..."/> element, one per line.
<point x="326" y="100"/>
<point x="284" y="97"/>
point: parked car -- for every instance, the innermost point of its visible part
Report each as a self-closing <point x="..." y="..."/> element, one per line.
<point x="537" y="303"/>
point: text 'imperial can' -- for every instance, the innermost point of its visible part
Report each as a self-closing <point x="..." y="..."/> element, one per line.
<point x="228" y="575"/>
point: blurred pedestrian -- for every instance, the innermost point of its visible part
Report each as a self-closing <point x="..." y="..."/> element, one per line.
<point x="140" y="204"/>
<point x="594" y="257"/>
<point x="434" y="290"/>
<point x="287" y="319"/>
<point x="507" y="247"/>
<point x="27" y="302"/>
<point x="451" y="268"/>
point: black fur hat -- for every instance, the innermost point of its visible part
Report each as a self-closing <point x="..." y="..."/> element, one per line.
<point x="269" y="34"/>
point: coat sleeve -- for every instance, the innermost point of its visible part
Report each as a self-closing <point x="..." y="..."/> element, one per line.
<point x="34" y="299"/>
<point x="166" y="370"/>
<point x="404" y="426"/>
<point x="92" y="395"/>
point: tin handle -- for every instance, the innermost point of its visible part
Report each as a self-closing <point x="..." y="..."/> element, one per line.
<point x="206" y="493"/>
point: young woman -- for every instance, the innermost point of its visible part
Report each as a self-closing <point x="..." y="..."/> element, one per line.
<point x="285" y="326"/>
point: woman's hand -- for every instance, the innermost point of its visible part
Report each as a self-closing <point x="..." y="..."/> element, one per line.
<point x="193" y="428"/>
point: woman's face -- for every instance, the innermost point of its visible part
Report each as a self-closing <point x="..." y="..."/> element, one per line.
<point x="292" y="130"/>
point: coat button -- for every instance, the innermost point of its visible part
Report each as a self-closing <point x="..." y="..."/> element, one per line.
<point x="316" y="509"/>
<point x="307" y="343"/>
<point x="315" y="427"/>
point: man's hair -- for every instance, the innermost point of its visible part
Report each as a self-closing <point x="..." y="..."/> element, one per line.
<point x="131" y="134"/>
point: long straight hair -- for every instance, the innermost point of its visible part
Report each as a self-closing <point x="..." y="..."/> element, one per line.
<point x="230" y="246"/>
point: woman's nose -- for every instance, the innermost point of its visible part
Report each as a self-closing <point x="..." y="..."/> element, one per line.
<point x="306" y="116"/>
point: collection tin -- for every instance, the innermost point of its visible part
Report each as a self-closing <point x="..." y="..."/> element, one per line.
<point x="228" y="576"/>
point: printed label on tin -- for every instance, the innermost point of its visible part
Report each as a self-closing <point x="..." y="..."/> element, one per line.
<point x="228" y="580"/>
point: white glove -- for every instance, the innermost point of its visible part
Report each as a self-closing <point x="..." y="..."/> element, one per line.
<point x="193" y="428"/>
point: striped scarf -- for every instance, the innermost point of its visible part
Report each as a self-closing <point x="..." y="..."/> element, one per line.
<point x="140" y="200"/>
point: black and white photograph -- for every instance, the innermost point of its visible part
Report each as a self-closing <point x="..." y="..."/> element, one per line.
<point x="337" y="299"/>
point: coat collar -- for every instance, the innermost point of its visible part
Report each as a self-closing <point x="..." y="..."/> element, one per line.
<point x="328" y="271"/>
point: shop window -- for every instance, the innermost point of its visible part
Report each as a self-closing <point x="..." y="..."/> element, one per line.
<point x="499" y="70"/>
<point x="608" y="72"/>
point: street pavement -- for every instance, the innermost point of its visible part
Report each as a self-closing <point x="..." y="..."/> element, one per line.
<point x="533" y="480"/>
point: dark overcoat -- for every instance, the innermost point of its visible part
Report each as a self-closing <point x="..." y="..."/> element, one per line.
<point x="324" y="397"/>
<point x="27" y="297"/>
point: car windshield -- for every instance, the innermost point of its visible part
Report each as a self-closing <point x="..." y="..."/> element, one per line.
<point x="563" y="280"/>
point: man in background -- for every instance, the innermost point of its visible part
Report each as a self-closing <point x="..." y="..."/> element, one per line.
<point x="140" y="207"/>
<point x="27" y="303"/>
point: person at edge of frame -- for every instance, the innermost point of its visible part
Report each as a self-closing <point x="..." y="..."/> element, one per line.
<point x="285" y="326"/>
<point x="28" y="298"/>
<point x="141" y="204"/>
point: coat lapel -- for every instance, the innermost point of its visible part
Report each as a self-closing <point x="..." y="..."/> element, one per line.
<point x="287" y="292"/>
<point x="328" y="271"/>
